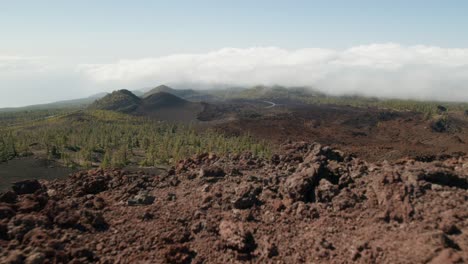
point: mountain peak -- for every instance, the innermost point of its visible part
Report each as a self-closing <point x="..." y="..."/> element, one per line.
<point x="158" y="89"/>
<point x="120" y="101"/>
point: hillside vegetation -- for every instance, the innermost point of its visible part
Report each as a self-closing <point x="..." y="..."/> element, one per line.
<point x="110" y="139"/>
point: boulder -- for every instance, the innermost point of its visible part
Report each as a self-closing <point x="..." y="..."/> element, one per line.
<point x="26" y="187"/>
<point x="300" y="186"/>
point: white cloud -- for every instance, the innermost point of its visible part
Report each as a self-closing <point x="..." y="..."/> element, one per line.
<point x="391" y="70"/>
<point x="9" y="63"/>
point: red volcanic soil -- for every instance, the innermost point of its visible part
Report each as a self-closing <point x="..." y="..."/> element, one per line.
<point x="371" y="134"/>
<point x="307" y="204"/>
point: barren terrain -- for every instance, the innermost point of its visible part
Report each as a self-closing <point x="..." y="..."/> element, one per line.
<point x="308" y="203"/>
<point x="369" y="133"/>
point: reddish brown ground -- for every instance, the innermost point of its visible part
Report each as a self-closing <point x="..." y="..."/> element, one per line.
<point x="309" y="204"/>
<point x="371" y="134"/>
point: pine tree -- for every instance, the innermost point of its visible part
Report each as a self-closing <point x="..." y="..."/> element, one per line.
<point x="106" y="160"/>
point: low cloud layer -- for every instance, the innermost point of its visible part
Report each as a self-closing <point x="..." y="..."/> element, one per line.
<point x="11" y="64"/>
<point x="385" y="70"/>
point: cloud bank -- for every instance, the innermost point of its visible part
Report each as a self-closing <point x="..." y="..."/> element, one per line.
<point x="385" y="70"/>
<point x="12" y="64"/>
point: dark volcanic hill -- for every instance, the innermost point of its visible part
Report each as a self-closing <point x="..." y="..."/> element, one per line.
<point x="158" y="89"/>
<point x="160" y="105"/>
<point x="121" y="101"/>
<point x="162" y="99"/>
<point x="187" y="94"/>
<point x="167" y="106"/>
<point x="182" y="93"/>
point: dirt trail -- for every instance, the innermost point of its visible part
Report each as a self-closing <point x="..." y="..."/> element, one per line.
<point x="271" y="104"/>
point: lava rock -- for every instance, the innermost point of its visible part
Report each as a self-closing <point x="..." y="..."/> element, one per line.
<point x="300" y="186"/>
<point x="8" y="197"/>
<point x="143" y="198"/>
<point x="212" y="171"/>
<point x="325" y="191"/>
<point x="15" y="257"/>
<point x="95" y="186"/>
<point x="93" y="219"/>
<point x="246" y="196"/>
<point x="236" y="237"/>
<point x="447" y="256"/>
<point x="6" y="212"/>
<point x="26" y="187"/>
<point x="35" y="258"/>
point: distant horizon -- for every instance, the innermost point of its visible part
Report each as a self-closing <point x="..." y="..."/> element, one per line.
<point x="183" y="87"/>
<point x="59" y="50"/>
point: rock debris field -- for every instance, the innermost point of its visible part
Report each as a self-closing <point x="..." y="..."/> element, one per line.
<point x="307" y="204"/>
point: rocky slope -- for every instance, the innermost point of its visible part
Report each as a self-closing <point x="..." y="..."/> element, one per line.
<point x="309" y="204"/>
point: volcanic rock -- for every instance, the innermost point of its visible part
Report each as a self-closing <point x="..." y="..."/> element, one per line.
<point x="246" y="196"/>
<point x="212" y="171"/>
<point x="307" y="204"/>
<point x="143" y="198"/>
<point x="26" y="187"/>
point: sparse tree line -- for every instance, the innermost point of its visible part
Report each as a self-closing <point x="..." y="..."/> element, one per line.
<point x="7" y="147"/>
<point x="109" y="139"/>
<point x="17" y="117"/>
<point x="428" y="108"/>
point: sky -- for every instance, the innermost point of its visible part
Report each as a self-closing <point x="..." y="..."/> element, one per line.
<point x="54" y="50"/>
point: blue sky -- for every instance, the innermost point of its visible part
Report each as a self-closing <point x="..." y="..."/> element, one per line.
<point x="112" y="29"/>
<point x="72" y="33"/>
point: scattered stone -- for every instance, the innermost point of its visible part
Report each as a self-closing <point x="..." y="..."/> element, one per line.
<point x="308" y="204"/>
<point x="447" y="256"/>
<point x="95" y="185"/>
<point x="300" y="186"/>
<point x="99" y="203"/>
<point x="26" y="187"/>
<point x="143" y="198"/>
<point x="8" y="197"/>
<point x="94" y="219"/>
<point x="325" y="191"/>
<point x="246" y="196"/>
<point x="212" y="171"/>
<point x="147" y="216"/>
<point x="235" y="237"/>
<point x="179" y="255"/>
<point x="14" y="257"/>
<point x="35" y="258"/>
<point x="6" y="211"/>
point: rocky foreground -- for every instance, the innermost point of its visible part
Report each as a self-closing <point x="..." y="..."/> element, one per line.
<point x="311" y="204"/>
